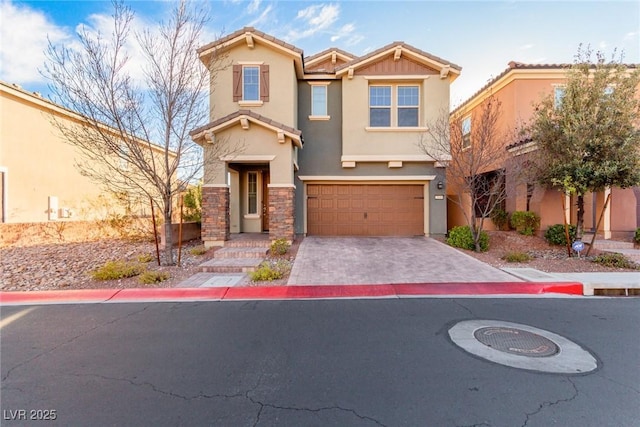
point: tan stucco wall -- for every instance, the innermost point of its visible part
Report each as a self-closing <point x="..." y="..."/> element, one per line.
<point x="255" y="141"/>
<point x="357" y="140"/>
<point x="39" y="164"/>
<point x="282" y="104"/>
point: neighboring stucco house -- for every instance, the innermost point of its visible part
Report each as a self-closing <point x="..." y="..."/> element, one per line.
<point x="38" y="178"/>
<point x="519" y="88"/>
<point x="323" y="145"/>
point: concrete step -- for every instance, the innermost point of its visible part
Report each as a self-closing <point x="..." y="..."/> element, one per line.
<point x="603" y="244"/>
<point x="241" y="252"/>
<point x="231" y="265"/>
<point x="243" y="243"/>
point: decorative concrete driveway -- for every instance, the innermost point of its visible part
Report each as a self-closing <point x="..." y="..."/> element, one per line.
<point x="378" y="260"/>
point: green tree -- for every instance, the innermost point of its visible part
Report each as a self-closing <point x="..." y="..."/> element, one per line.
<point x="586" y="133"/>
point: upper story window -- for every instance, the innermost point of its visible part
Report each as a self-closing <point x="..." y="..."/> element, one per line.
<point x="380" y="106"/>
<point x="408" y="103"/>
<point x="319" y="98"/>
<point x="466" y="132"/>
<point x="250" y="83"/>
<point x="394" y="106"/>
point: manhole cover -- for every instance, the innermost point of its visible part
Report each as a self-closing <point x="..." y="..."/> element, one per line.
<point x="506" y="343"/>
<point x="516" y="341"/>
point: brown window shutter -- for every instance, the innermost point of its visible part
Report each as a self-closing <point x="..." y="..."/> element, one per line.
<point x="237" y="82"/>
<point x="264" y="83"/>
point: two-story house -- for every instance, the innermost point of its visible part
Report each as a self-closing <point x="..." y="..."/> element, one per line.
<point x="322" y="145"/>
<point x="519" y="88"/>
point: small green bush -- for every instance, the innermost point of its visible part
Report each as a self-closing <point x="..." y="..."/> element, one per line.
<point x="279" y="247"/>
<point x="636" y="238"/>
<point x="611" y="259"/>
<point x="198" y="250"/>
<point x="517" y="257"/>
<point x="269" y="271"/>
<point x="500" y="218"/>
<point x="151" y="277"/>
<point x="555" y="234"/>
<point x="117" y="270"/>
<point x="460" y="237"/>
<point x="145" y="258"/>
<point x="525" y="222"/>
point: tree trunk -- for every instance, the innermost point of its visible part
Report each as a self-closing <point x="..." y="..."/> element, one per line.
<point x="168" y="236"/>
<point x="580" y="215"/>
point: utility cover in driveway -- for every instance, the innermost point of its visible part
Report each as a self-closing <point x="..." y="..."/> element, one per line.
<point x="365" y="210"/>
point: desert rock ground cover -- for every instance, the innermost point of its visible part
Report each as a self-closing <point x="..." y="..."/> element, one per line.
<point x="69" y="265"/>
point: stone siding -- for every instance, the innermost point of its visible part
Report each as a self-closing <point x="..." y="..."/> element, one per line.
<point x="281" y="213"/>
<point x="215" y="215"/>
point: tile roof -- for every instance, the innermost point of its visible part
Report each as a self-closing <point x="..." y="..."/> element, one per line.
<point x="254" y="32"/>
<point x="252" y="114"/>
<point x="405" y="46"/>
<point x="514" y="65"/>
<point x="326" y="51"/>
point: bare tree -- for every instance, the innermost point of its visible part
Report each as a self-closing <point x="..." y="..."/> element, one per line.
<point x="133" y="135"/>
<point x="473" y="149"/>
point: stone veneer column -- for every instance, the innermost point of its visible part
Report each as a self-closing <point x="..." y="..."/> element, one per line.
<point x="215" y="215"/>
<point x="281" y="213"/>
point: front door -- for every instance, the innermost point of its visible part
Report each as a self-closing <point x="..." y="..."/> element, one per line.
<point x="265" y="200"/>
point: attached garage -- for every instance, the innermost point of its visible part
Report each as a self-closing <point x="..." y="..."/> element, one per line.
<point x="365" y="210"/>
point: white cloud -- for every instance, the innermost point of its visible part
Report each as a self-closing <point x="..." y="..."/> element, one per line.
<point x="526" y="46"/>
<point x="314" y="19"/>
<point x="253" y="7"/>
<point x="602" y="45"/>
<point x="263" y="18"/>
<point x="22" y="48"/>
<point x="631" y="35"/>
<point x="103" y="25"/>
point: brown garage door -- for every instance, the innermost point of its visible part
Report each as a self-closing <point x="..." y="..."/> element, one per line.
<point x="365" y="210"/>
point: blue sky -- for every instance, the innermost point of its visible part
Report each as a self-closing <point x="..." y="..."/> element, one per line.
<point x="480" y="36"/>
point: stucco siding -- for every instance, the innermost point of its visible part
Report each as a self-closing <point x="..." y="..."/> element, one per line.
<point x="281" y="106"/>
<point x="37" y="163"/>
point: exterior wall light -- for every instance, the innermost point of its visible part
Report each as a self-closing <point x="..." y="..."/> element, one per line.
<point x="440" y="185"/>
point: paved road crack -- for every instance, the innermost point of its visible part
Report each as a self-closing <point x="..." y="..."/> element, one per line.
<point x="69" y="341"/>
<point x="627" y="386"/>
<point x="548" y="404"/>
<point x="467" y="309"/>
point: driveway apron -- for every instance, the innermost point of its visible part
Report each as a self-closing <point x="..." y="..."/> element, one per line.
<point x="385" y="260"/>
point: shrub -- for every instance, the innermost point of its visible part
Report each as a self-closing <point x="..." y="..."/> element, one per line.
<point x="555" y="234"/>
<point x="198" y="250"/>
<point x="193" y="204"/>
<point x="145" y="258"/>
<point x="279" y="247"/>
<point x="500" y="218"/>
<point x="151" y="277"/>
<point x="268" y="271"/>
<point x="611" y="259"/>
<point x="525" y="222"/>
<point x="636" y="238"/>
<point x="461" y="237"/>
<point x="517" y="257"/>
<point x="117" y="270"/>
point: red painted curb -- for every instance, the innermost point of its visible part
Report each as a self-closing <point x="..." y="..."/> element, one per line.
<point x="170" y="294"/>
<point x="311" y="292"/>
<point x="290" y="292"/>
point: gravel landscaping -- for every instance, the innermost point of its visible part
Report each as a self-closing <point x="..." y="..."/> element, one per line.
<point x="69" y="265"/>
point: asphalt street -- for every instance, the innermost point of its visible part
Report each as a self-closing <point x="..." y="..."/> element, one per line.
<point x="387" y="362"/>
